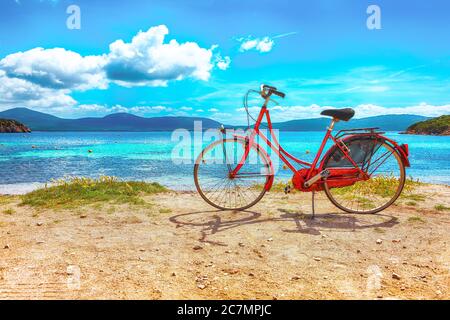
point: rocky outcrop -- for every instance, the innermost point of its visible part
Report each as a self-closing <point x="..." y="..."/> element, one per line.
<point x="12" y="126"/>
<point x="439" y="126"/>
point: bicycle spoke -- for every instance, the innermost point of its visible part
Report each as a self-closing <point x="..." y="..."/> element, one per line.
<point x="214" y="180"/>
<point x="380" y="163"/>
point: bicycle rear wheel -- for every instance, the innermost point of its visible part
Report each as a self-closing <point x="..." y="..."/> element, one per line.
<point x="218" y="187"/>
<point x="386" y="182"/>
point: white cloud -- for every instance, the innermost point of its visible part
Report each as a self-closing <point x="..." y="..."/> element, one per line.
<point x="367" y="89"/>
<point x="92" y="107"/>
<point x="103" y="110"/>
<point x="262" y="45"/>
<point x="157" y="108"/>
<point x="284" y="113"/>
<point x="223" y="63"/>
<point x="186" y="108"/>
<point x="424" y="109"/>
<point x="20" y="93"/>
<point x="56" y="68"/>
<point x="221" y="116"/>
<point x="213" y="110"/>
<point x="80" y="110"/>
<point x="142" y="110"/>
<point x="147" y="60"/>
<point x="45" y="78"/>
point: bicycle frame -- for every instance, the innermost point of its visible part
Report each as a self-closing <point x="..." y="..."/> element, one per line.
<point x="311" y="167"/>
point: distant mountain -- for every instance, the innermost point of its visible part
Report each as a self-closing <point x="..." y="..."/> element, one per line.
<point x="439" y="126"/>
<point x="38" y="121"/>
<point x="32" y="119"/>
<point x="393" y="122"/>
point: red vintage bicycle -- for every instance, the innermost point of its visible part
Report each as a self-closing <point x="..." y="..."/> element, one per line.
<point x="362" y="172"/>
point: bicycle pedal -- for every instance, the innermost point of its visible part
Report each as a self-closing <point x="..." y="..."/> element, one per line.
<point x="287" y="189"/>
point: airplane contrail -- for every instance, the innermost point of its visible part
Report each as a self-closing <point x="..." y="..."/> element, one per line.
<point x="284" y="35"/>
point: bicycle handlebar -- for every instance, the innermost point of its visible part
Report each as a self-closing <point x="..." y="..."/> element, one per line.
<point x="267" y="90"/>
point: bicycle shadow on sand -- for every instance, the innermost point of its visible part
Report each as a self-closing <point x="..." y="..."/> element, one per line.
<point x="211" y="222"/>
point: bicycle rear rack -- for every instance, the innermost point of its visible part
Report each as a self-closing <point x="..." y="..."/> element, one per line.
<point x="347" y="132"/>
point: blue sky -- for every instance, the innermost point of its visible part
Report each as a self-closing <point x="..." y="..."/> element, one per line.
<point x="171" y="57"/>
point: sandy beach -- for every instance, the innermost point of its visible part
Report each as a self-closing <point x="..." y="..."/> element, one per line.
<point x="177" y="247"/>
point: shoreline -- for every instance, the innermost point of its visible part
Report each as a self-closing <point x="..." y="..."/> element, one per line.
<point x="20" y="188"/>
<point x="423" y="134"/>
<point x="24" y="188"/>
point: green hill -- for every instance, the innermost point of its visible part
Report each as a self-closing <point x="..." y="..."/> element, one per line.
<point x="12" y="126"/>
<point x="439" y="126"/>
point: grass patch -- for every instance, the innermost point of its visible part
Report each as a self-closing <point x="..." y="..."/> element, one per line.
<point x="414" y="197"/>
<point x="277" y="186"/>
<point x="9" y="211"/>
<point x="149" y="205"/>
<point x="111" y="210"/>
<point x="411" y="203"/>
<point x="73" y="192"/>
<point x="364" y="202"/>
<point x="165" y="210"/>
<point x="97" y="206"/>
<point x="5" y="199"/>
<point x="441" y="207"/>
<point x="379" y="230"/>
<point x="416" y="219"/>
<point x="383" y="186"/>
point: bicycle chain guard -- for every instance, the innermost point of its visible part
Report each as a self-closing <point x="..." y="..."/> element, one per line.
<point x="337" y="178"/>
<point x="299" y="179"/>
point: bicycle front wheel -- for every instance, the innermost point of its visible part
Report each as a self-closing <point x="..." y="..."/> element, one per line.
<point x="223" y="190"/>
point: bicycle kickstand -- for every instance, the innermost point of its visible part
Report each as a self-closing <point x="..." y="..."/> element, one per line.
<point x="312" y="205"/>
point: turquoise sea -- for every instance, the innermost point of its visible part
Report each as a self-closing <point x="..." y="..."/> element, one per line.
<point x="28" y="161"/>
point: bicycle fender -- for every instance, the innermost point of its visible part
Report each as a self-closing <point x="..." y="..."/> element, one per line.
<point x="401" y="149"/>
<point x="269" y="183"/>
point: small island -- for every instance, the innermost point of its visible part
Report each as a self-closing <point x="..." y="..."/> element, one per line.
<point x="12" y="126"/>
<point x="439" y="126"/>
